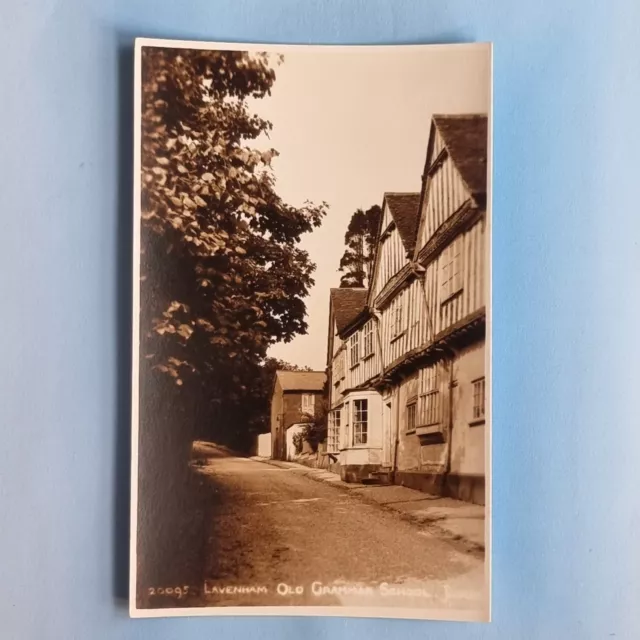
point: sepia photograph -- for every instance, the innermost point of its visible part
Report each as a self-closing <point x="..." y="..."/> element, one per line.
<point x="311" y="406"/>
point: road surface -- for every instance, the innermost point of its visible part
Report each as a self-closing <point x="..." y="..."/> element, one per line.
<point x="277" y="537"/>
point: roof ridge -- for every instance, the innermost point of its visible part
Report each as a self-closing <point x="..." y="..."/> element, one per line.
<point x="347" y="304"/>
<point x="406" y="214"/>
<point x="465" y="137"/>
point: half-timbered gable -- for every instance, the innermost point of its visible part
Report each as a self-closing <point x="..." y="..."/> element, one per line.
<point x="451" y="245"/>
<point x="346" y="305"/>
<point x="363" y="353"/>
<point x="354" y="353"/>
<point x="455" y="174"/>
<point x="407" y="357"/>
<point x="394" y="294"/>
<point x="396" y="240"/>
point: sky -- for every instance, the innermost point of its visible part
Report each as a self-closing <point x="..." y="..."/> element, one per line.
<point x="350" y="125"/>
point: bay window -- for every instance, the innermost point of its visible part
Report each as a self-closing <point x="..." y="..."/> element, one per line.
<point x="360" y="421"/>
<point x="333" y="432"/>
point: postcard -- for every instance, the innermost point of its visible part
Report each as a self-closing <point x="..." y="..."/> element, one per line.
<point x="311" y="334"/>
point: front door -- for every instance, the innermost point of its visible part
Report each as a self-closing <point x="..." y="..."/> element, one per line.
<point x="387" y="433"/>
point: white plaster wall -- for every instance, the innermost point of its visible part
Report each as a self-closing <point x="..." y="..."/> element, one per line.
<point x="467" y="455"/>
<point x="263" y="448"/>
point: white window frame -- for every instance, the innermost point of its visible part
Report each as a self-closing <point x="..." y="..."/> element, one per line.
<point x="478" y="407"/>
<point x="346" y="414"/>
<point x="333" y="431"/>
<point x="308" y="403"/>
<point x="354" y="349"/>
<point x="367" y="341"/>
<point x="338" y="367"/>
<point x="429" y="398"/>
<point x="360" y="421"/>
<point x="412" y="412"/>
<point x="451" y="270"/>
<point x="397" y="316"/>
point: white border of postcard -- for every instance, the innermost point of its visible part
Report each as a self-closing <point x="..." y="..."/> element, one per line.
<point x="335" y="611"/>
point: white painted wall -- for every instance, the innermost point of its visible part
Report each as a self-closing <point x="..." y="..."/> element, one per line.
<point x="263" y="446"/>
<point x="467" y="454"/>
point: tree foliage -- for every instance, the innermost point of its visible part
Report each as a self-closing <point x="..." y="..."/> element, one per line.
<point x="316" y="427"/>
<point x="222" y="275"/>
<point x="360" y="239"/>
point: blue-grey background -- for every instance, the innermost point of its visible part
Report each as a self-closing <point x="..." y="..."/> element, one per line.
<point x="566" y="429"/>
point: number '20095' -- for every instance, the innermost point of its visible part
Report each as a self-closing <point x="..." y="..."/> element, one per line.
<point x="169" y="591"/>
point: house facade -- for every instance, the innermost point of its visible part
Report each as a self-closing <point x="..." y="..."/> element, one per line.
<point x="297" y="397"/>
<point x="406" y="360"/>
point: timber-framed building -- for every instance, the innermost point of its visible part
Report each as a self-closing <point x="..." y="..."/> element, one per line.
<point x="407" y="359"/>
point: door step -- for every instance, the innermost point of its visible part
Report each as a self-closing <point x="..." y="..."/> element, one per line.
<point x="383" y="476"/>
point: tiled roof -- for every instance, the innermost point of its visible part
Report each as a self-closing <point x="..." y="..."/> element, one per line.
<point x="405" y="210"/>
<point x="347" y="303"/>
<point x="465" y="137"/>
<point x="301" y="380"/>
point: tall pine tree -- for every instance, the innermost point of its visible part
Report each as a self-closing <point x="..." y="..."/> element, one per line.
<point x="360" y="239"/>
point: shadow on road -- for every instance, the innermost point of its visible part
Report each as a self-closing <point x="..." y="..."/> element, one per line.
<point x="173" y="533"/>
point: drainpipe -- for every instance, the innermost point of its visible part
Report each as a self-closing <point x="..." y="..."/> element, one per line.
<point x="394" y="467"/>
<point x="283" y="439"/>
<point x="447" y="469"/>
<point x="394" y="459"/>
<point x="378" y="317"/>
<point x="451" y="354"/>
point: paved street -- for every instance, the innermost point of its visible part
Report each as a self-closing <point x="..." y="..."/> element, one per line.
<point x="277" y="537"/>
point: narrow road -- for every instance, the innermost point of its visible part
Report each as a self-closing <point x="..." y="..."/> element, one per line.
<point x="277" y="537"/>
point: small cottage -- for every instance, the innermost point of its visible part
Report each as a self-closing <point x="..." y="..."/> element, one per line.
<point x="296" y="398"/>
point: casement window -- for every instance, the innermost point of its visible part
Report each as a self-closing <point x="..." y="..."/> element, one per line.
<point x="478" y="400"/>
<point x="338" y="368"/>
<point x="354" y="349"/>
<point x="415" y="314"/>
<point x="346" y="418"/>
<point x="333" y="432"/>
<point x="397" y="316"/>
<point x="411" y="416"/>
<point x="451" y="270"/>
<point x="429" y="399"/>
<point x="308" y="403"/>
<point x="360" y="421"/>
<point x="368" y="339"/>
